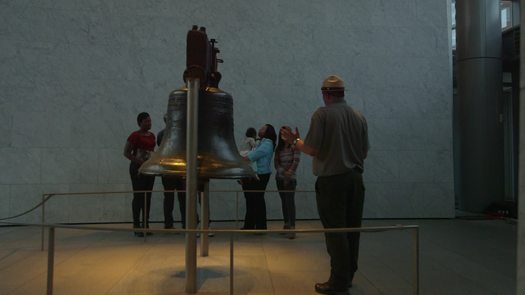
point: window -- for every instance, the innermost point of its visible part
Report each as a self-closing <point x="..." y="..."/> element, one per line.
<point x="506" y="18"/>
<point x="506" y="15"/>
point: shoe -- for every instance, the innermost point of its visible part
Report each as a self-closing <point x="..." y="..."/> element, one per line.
<point x="327" y="288"/>
<point x="286" y="226"/>
<point x="139" y="234"/>
<point x="291" y="236"/>
<point x="210" y="234"/>
<point x="168" y="227"/>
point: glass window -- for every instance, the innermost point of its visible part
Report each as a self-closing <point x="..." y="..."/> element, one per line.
<point x="506" y="15"/>
<point x="453" y="12"/>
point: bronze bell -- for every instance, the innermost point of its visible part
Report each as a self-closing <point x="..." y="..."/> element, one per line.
<point x="217" y="156"/>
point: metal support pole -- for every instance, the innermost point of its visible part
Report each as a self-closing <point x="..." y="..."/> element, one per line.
<point x="205" y="217"/>
<point x="520" y="232"/>
<point x="231" y="264"/>
<point x="43" y="219"/>
<point x="237" y="209"/>
<point x="50" y="260"/>
<point x="416" y="260"/>
<point x="478" y="108"/>
<point x="191" y="182"/>
<point x="144" y="210"/>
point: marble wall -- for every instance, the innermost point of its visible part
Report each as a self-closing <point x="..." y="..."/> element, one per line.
<point x="75" y="73"/>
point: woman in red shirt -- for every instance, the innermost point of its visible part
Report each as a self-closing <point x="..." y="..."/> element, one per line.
<point x="138" y="148"/>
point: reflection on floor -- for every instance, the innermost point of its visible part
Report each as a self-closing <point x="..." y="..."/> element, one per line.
<point x="457" y="257"/>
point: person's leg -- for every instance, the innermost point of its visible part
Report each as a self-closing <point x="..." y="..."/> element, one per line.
<point x="354" y="217"/>
<point x="249" y="218"/>
<point x="180" y="186"/>
<point x="280" y="186"/>
<point x="138" y="198"/>
<point x="169" y="201"/>
<point x="136" y="206"/>
<point x="148" y="182"/>
<point x="290" y="201"/>
<point x="287" y="198"/>
<point x="260" y="210"/>
<point x="147" y="210"/>
<point x="331" y="203"/>
<point x="182" y="208"/>
<point x="290" y="204"/>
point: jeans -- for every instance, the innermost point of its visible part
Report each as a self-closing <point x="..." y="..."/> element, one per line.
<point x="287" y="199"/>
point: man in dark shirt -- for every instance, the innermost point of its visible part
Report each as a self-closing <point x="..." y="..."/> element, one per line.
<point x="338" y="142"/>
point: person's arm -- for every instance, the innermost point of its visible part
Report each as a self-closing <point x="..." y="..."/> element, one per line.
<point x="365" y="139"/>
<point x="303" y="147"/>
<point x="263" y="149"/>
<point x="128" y="151"/>
<point x="276" y="160"/>
<point x="129" y="154"/>
<point x="159" y="136"/>
<point x="295" y="140"/>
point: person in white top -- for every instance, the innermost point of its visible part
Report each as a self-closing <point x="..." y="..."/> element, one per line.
<point x="249" y="144"/>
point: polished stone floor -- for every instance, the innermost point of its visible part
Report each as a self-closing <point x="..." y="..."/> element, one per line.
<point x="459" y="256"/>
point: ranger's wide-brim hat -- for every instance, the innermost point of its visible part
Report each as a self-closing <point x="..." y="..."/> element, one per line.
<point x="333" y="83"/>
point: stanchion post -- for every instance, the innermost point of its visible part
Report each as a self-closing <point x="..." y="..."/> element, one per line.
<point x="237" y="209"/>
<point x="145" y="216"/>
<point x="231" y="264"/>
<point x="43" y="220"/>
<point x="193" y="85"/>
<point x="50" y="260"/>
<point x="416" y="260"/>
<point x="205" y="217"/>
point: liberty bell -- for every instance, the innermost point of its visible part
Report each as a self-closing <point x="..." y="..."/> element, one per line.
<point x="217" y="154"/>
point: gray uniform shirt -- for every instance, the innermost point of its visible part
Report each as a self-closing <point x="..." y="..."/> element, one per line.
<point x="340" y="136"/>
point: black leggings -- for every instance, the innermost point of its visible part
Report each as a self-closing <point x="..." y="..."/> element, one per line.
<point x="255" y="217"/>
<point x="140" y="182"/>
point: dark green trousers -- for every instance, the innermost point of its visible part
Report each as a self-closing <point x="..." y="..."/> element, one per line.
<point x="340" y="201"/>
